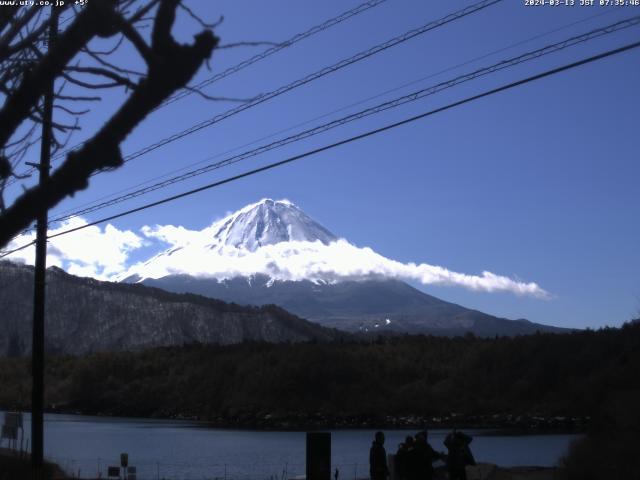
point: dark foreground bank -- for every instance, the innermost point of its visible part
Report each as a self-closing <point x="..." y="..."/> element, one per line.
<point x="18" y="467"/>
<point x="15" y="467"/>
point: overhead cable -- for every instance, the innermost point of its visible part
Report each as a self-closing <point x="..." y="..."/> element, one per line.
<point x="352" y="139"/>
<point x="411" y="97"/>
<point x="363" y="7"/>
<point x="115" y="194"/>
<point x="276" y="48"/>
<point x="316" y="75"/>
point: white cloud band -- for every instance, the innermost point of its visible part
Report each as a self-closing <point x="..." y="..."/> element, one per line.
<point x="104" y="254"/>
<point x="192" y="254"/>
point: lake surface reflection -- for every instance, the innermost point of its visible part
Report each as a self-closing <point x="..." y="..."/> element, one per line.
<point x="190" y="450"/>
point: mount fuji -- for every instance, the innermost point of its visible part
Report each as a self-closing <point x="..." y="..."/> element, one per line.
<point x="271" y="252"/>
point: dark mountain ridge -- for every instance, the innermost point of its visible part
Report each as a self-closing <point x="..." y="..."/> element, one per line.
<point x="356" y="306"/>
<point x="86" y="315"/>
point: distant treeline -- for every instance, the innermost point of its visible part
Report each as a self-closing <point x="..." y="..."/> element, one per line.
<point x="576" y="374"/>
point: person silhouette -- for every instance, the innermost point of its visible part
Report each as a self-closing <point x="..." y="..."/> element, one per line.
<point x="459" y="454"/>
<point x="402" y="462"/>
<point x="378" y="469"/>
<point x="422" y="458"/>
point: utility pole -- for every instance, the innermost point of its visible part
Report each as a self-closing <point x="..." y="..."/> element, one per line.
<point x="37" y="352"/>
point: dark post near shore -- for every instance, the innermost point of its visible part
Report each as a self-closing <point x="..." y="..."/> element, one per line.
<point x="318" y="456"/>
<point x="37" y="352"/>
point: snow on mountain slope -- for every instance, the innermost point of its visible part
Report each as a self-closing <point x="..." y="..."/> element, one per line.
<point x="277" y="239"/>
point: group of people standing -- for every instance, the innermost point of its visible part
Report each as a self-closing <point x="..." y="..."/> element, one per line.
<point x="415" y="457"/>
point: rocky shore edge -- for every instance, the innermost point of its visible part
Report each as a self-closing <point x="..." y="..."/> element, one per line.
<point x="518" y="424"/>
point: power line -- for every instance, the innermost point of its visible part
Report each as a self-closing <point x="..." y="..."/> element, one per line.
<point x="276" y="48"/>
<point x="363" y="7"/>
<point x="341" y="109"/>
<point x="316" y="75"/>
<point x="411" y="97"/>
<point x="321" y="73"/>
<point x="361" y="136"/>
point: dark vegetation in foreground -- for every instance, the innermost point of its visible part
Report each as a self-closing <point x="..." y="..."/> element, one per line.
<point x="16" y="467"/>
<point x="525" y="381"/>
<point x="541" y="381"/>
<point x="611" y="448"/>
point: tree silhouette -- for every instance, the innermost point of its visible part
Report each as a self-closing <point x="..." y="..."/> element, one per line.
<point x="26" y="71"/>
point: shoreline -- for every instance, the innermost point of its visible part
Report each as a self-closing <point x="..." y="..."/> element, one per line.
<point x="501" y="424"/>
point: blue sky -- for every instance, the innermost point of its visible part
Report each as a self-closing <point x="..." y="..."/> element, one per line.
<point x="538" y="183"/>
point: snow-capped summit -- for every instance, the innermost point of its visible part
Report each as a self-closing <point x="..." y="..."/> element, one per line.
<point x="268" y="222"/>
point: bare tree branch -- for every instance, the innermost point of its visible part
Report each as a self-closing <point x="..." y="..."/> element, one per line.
<point x="64" y="143"/>
<point x="16" y="26"/>
<point x="112" y="49"/>
<point x="6" y="15"/>
<point x="63" y="127"/>
<point x="247" y="44"/>
<point x="104" y="73"/>
<point x="110" y="65"/>
<point x="136" y="39"/>
<point x="8" y="50"/>
<point x="71" y="112"/>
<point x="21" y="139"/>
<point x="216" y="98"/>
<point x="92" y="86"/>
<point x="32" y="86"/>
<point x="142" y="12"/>
<point x="78" y="98"/>
<point x="197" y="18"/>
<point x="171" y="67"/>
<point x="161" y="39"/>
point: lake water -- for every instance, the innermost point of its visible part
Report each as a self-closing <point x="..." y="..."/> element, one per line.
<point x="190" y="450"/>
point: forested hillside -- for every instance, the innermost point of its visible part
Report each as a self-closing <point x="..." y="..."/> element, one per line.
<point x="286" y="385"/>
<point x="85" y="315"/>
